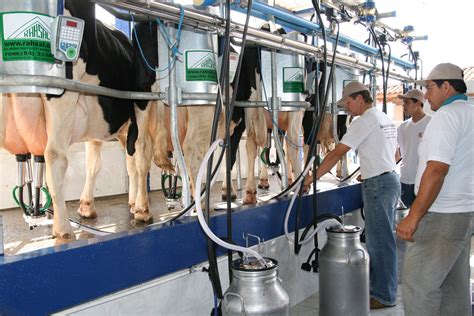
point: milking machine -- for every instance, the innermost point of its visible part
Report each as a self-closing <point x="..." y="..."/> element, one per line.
<point x="283" y="78"/>
<point x="25" y="44"/>
<point x="34" y="211"/>
<point x="187" y="64"/>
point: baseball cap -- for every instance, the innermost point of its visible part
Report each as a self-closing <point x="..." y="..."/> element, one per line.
<point x="445" y="71"/>
<point x="350" y="88"/>
<point x="412" y="94"/>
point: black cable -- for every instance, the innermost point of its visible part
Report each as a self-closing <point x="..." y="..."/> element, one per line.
<point x="211" y="252"/>
<point x="376" y="41"/>
<point x="387" y="75"/>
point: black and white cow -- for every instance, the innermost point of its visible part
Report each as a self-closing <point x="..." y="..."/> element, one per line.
<point x="106" y="59"/>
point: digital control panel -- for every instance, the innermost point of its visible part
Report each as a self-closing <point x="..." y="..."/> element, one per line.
<point x="66" y="37"/>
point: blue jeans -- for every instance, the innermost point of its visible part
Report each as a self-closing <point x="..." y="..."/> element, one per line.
<point x="380" y="195"/>
<point x="408" y="194"/>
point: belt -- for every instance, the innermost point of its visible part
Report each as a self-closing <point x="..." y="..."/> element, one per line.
<point x="387" y="172"/>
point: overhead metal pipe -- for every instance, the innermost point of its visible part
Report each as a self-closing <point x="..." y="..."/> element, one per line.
<point x="315" y="28"/>
<point x="274" y="100"/>
<point x="205" y="21"/>
<point x="48" y="81"/>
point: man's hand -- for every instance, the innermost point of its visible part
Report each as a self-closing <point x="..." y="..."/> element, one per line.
<point x="407" y="227"/>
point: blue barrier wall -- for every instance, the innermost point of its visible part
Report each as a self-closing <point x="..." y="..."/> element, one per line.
<point x="50" y="280"/>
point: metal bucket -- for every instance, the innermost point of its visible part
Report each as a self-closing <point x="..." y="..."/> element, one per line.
<point x="290" y="75"/>
<point x="344" y="274"/>
<point x="255" y="290"/>
<point x="25" y="42"/>
<point x="195" y="68"/>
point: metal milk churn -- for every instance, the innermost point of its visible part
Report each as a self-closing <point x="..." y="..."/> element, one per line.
<point x="400" y="213"/>
<point x="344" y="274"/>
<point x="25" y="43"/>
<point x="255" y="290"/>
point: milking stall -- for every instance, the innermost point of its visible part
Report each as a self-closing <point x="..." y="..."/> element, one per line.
<point x="134" y="135"/>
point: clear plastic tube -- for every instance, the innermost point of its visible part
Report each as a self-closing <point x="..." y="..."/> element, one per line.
<point x="326" y="223"/>
<point x="205" y="227"/>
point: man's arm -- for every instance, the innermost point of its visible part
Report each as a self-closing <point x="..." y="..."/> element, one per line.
<point x="398" y="156"/>
<point x="430" y="186"/>
<point x="331" y="159"/>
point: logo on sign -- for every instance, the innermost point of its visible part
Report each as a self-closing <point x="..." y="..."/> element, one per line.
<point x="33" y="29"/>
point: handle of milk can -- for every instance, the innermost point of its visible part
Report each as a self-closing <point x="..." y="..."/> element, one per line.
<point x="239" y="297"/>
<point x="353" y="252"/>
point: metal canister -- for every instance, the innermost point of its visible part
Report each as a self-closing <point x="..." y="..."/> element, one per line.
<point x="291" y="74"/>
<point x="344" y="274"/>
<point x="25" y="42"/>
<point x="255" y="290"/>
<point x="196" y="67"/>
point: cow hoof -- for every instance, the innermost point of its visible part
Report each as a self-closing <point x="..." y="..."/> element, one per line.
<point x="86" y="210"/>
<point x="233" y="196"/>
<point x="132" y="208"/>
<point x="263" y="184"/>
<point x="250" y="198"/>
<point x="143" y="216"/>
<point x="64" y="237"/>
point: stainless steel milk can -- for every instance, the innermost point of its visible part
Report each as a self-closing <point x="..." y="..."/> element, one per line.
<point x="255" y="290"/>
<point x="344" y="274"/>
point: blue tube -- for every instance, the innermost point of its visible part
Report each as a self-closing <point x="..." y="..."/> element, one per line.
<point x="292" y="21"/>
<point x="60" y="7"/>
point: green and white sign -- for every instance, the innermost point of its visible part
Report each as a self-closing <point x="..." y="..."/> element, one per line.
<point x="200" y="65"/>
<point x="26" y="36"/>
<point x="293" y="80"/>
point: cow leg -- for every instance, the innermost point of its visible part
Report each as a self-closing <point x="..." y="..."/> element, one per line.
<point x="196" y="142"/>
<point x="60" y="114"/>
<point x="292" y="148"/>
<point x="289" y="166"/>
<point x="93" y="165"/>
<point x="143" y="157"/>
<point x="250" y="185"/>
<point x="132" y="174"/>
<point x="233" y="192"/>
<point x="263" y="182"/>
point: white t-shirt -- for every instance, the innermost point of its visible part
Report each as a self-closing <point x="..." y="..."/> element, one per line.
<point x="375" y="136"/>
<point x="409" y="137"/>
<point x="449" y="138"/>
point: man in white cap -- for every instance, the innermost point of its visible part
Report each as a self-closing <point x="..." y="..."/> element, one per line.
<point x="374" y="135"/>
<point x="439" y="226"/>
<point x="409" y="136"/>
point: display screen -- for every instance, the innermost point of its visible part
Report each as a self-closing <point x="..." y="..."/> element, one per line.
<point x="71" y="23"/>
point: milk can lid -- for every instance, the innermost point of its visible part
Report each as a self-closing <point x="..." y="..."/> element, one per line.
<point x="343" y="229"/>
<point x="252" y="264"/>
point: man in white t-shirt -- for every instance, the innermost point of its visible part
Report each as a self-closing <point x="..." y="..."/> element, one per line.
<point x="409" y="136"/>
<point x="374" y="135"/>
<point x="436" y="270"/>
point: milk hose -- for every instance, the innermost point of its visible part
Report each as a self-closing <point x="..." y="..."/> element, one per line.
<point x="202" y="221"/>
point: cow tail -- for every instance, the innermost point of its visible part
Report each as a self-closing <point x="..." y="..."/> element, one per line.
<point x="132" y="134"/>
